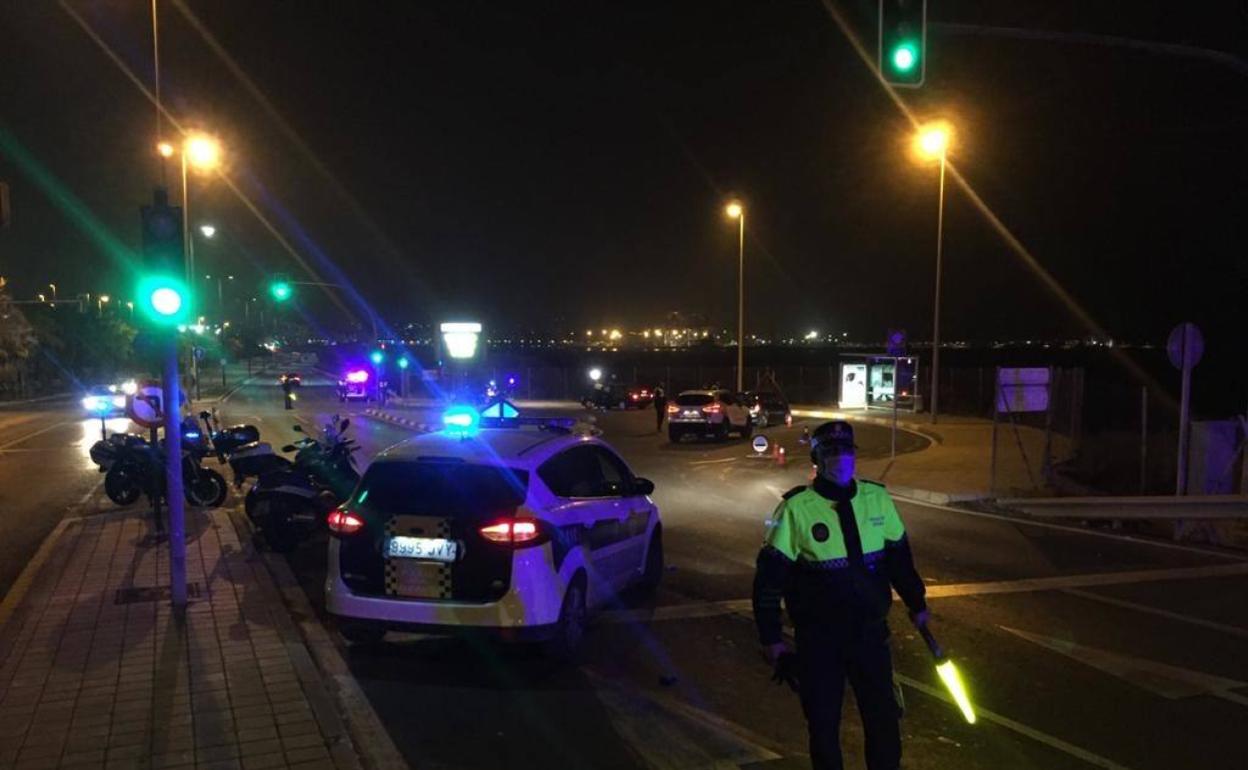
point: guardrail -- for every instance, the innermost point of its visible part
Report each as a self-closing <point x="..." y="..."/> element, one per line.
<point x="1141" y="507"/>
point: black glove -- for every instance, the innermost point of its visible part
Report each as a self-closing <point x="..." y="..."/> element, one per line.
<point x="786" y="671"/>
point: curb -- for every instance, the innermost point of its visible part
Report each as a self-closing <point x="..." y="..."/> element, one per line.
<point x="339" y="704"/>
<point x="403" y="422"/>
<point x="935" y="498"/>
<point x="883" y="422"/>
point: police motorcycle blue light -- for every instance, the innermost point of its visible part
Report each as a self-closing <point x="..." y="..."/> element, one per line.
<point x="461" y="419"/>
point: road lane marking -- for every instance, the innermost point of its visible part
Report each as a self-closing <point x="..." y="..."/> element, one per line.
<point x="1025" y="585"/>
<point x="713" y="462"/>
<point x="1052" y="742"/>
<point x="39" y="432"/>
<point x="1068" y="528"/>
<point x="1084" y="581"/>
<point x="1242" y="633"/>
<point x="664" y="730"/>
<point x="1162" y="679"/>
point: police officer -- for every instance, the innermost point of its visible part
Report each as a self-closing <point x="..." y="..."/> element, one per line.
<point x="834" y="551"/>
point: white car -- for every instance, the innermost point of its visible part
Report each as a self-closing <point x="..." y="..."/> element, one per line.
<point x="518" y="531"/>
<point x="707" y="412"/>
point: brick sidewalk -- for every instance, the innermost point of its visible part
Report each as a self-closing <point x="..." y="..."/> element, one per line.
<point x="97" y="671"/>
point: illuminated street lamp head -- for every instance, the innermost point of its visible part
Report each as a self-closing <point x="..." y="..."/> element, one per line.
<point x="203" y="152"/>
<point x="595" y="374"/>
<point x="104" y="298"/>
<point x="932" y="141"/>
<point x="165" y="149"/>
<point x="208" y="230"/>
<point x="734" y="210"/>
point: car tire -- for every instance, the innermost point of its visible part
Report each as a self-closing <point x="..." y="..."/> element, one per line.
<point x="747" y="430"/>
<point x="652" y="574"/>
<point x="362" y="632"/>
<point x="565" y="645"/>
<point x="723" y="429"/>
<point x="761" y="422"/>
<point x="121" y="486"/>
<point x="674" y="434"/>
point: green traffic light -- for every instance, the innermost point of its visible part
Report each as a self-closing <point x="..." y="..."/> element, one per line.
<point x="281" y="290"/>
<point x="403" y="362"/>
<point x="377" y="357"/>
<point x="905" y="57"/>
<point x="164" y="300"/>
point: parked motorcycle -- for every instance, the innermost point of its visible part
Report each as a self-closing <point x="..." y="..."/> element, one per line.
<point x="133" y="467"/>
<point x="292" y="498"/>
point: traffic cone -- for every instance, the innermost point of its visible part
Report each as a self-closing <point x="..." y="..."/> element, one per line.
<point x="782" y="459"/>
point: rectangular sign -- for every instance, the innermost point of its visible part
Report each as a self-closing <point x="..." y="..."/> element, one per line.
<point x="1036" y="375"/>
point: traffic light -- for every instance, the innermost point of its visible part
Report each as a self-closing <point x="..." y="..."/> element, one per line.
<point x="162" y="295"/>
<point x="903" y="42"/>
<point x="377" y="357"/>
<point x="281" y="289"/>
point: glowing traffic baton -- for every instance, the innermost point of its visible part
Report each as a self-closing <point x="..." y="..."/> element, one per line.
<point x="949" y="675"/>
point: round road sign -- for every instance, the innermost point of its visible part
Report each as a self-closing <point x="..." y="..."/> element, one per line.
<point x="1185" y="336"/>
<point x="760" y="443"/>
<point x="144" y="406"/>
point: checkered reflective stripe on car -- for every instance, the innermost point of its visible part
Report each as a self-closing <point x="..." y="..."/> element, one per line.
<point x="434" y="578"/>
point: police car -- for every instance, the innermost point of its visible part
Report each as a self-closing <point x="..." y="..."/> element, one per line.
<point x="513" y="526"/>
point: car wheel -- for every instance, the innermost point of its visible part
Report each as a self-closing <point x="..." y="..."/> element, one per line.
<point x="722" y="430"/>
<point x="747" y="430"/>
<point x="570" y="630"/>
<point x="761" y="422"/>
<point x="674" y="434"/>
<point x="653" y="572"/>
<point x="362" y="632"/>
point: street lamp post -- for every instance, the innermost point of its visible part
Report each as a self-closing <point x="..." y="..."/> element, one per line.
<point x="100" y="302"/>
<point x="736" y="211"/>
<point x="933" y="142"/>
<point x="53" y="287"/>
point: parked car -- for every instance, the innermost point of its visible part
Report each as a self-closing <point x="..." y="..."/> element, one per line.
<point x="640" y="397"/>
<point x="708" y="413"/>
<point x="767" y="409"/>
<point x="516" y="531"/>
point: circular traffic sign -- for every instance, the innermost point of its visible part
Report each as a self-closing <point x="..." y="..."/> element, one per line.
<point x="144" y="406"/>
<point x="1185" y="338"/>
<point x="760" y="443"/>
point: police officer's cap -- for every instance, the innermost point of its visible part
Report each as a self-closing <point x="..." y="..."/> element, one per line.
<point x="833" y="437"/>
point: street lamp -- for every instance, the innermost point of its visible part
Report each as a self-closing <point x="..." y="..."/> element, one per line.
<point x="53" y="287"/>
<point x="736" y="211"/>
<point x="101" y="301"/>
<point x="208" y="230"/>
<point x="932" y="143"/>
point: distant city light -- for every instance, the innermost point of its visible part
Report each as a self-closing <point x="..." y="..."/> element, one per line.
<point x="595" y="374"/>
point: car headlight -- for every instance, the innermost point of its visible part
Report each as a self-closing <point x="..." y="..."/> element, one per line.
<point x="119" y="402"/>
<point x="129" y="387"/>
<point x="754" y="409"/>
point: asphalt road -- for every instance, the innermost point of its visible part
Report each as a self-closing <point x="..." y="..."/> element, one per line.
<point x="1081" y="648"/>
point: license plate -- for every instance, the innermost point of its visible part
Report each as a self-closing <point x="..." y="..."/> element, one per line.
<point x="689" y="414"/>
<point x="426" y="548"/>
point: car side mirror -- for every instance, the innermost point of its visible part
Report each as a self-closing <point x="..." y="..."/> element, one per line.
<point x="643" y="486"/>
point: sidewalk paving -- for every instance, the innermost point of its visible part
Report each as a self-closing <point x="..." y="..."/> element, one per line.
<point x="97" y="671"/>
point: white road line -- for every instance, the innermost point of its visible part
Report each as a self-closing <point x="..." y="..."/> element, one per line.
<point x="39" y="432"/>
<point x="1083" y="581"/>
<point x="1242" y="633"/>
<point x="713" y="462"/>
<point x="1068" y="528"/>
<point x="1053" y="742"/>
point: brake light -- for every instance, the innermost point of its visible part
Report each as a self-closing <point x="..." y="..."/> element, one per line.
<point x="712" y="409"/>
<point x="344" y="522"/>
<point x="511" y="532"/>
<point x="672" y="409"/>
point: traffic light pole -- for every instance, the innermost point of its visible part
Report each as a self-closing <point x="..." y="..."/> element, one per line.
<point x="172" y="399"/>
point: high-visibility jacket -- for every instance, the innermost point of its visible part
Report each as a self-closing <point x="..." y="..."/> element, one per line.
<point x="834" y="554"/>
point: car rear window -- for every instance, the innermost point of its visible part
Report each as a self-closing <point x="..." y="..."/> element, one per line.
<point x="440" y="488"/>
<point x="694" y="399"/>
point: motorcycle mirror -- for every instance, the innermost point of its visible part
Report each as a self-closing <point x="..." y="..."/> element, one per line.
<point x="344" y="425"/>
<point x="290" y="448"/>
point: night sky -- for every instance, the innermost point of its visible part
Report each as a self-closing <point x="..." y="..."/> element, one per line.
<point x="558" y="165"/>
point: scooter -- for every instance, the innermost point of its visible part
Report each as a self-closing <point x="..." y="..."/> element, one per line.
<point x="291" y="500"/>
